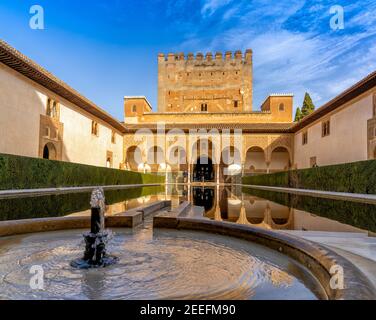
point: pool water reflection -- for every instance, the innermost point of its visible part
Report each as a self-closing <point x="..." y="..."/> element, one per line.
<point x="277" y="211"/>
<point x="231" y="203"/>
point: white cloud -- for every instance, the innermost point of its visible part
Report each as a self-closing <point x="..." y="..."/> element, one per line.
<point x="211" y="6"/>
<point x="288" y="58"/>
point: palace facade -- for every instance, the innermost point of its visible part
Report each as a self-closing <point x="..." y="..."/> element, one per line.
<point x="205" y="126"/>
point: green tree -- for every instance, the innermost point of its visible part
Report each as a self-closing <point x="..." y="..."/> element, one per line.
<point x="308" y="106"/>
<point x="298" y="115"/>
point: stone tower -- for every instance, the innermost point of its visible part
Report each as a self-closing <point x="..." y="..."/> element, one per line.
<point x="205" y="84"/>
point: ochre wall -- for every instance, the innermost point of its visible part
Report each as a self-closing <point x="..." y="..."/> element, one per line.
<point x="347" y="141"/>
<point x="140" y="104"/>
<point x="20" y="107"/>
<point x="81" y="146"/>
<point x="272" y="104"/>
<point x="22" y="102"/>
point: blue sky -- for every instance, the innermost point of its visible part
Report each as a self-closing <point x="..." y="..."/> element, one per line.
<point x="107" y="49"/>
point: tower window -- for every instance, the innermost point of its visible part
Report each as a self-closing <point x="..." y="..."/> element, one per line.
<point x="282" y="107"/>
<point x="236" y="103"/>
<point x="204" y="107"/>
<point x="134" y="108"/>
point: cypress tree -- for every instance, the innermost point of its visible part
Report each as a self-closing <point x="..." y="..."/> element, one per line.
<point x="298" y="115"/>
<point x="308" y="106"/>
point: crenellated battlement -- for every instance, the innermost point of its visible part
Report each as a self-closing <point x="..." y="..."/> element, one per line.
<point x="220" y="82"/>
<point x="208" y="57"/>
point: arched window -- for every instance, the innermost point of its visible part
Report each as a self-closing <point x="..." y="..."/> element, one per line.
<point x="52" y="108"/>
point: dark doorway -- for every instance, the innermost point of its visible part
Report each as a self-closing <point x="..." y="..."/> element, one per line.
<point x="49" y="152"/>
<point x="204" y="197"/>
<point x="46" y="153"/>
<point x="203" y="170"/>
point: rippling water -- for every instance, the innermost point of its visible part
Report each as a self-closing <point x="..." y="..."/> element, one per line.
<point x="160" y="265"/>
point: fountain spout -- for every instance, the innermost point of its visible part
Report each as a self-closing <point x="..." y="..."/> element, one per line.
<point x="97" y="204"/>
<point x="95" y="241"/>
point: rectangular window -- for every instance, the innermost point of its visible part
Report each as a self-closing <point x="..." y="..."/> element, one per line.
<point x="236" y="104"/>
<point x="326" y="128"/>
<point x="204" y="107"/>
<point x="94" y="128"/>
<point x="109" y="159"/>
<point x="134" y="108"/>
<point x="113" y="137"/>
<point x="305" y="138"/>
<point x="46" y="132"/>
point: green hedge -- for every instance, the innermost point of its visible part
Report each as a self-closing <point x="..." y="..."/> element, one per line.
<point x="355" y="177"/>
<point x="31" y="173"/>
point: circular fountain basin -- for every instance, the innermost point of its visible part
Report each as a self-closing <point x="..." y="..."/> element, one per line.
<point x="159" y="264"/>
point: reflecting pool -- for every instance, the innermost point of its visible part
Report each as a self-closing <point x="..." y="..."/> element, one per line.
<point x="265" y="209"/>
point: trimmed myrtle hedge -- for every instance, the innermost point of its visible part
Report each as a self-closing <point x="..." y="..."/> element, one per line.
<point x="31" y="173"/>
<point x="355" y="177"/>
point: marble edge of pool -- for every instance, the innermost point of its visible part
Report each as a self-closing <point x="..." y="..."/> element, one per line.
<point x="318" y="259"/>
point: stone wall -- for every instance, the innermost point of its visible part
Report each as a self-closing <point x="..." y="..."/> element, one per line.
<point x="222" y="83"/>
